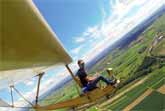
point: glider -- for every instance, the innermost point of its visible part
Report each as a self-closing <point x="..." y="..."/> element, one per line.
<point x="29" y="47"/>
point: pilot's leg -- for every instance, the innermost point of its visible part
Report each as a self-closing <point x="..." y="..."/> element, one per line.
<point x="107" y="81"/>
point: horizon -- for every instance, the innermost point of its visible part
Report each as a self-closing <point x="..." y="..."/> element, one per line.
<point x="111" y="23"/>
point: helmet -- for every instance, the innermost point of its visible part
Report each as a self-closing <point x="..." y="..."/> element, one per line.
<point x="80" y="61"/>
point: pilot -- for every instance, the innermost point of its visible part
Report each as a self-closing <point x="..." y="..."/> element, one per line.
<point x="90" y="82"/>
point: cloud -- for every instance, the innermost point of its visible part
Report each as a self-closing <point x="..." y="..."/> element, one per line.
<point x="29" y="83"/>
<point x="8" y="109"/>
<point x="51" y="82"/>
<point x="79" y="39"/>
<point x="90" y="32"/>
<point x="76" y="50"/>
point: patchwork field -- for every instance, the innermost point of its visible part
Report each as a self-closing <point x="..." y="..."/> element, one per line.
<point x="161" y="89"/>
<point x="159" y="49"/>
<point x="138" y="100"/>
<point x="153" y="102"/>
<point x="152" y="84"/>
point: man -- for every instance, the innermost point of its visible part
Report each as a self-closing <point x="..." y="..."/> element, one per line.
<point x="89" y="82"/>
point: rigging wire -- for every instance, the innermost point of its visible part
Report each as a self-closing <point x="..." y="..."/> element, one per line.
<point x="16" y="107"/>
<point x="22" y="96"/>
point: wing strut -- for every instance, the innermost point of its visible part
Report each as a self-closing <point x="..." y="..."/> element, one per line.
<point x="11" y="93"/>
<point x="74" y="78"/>
<point x="21" y="95"/>
<point x="38" y="86"/>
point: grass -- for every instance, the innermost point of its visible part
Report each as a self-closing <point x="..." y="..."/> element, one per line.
<point x="153" y="102"/>
<point x="61" y="95"/>
<point x="159" y="50"/>
<point x="154" y="81"/>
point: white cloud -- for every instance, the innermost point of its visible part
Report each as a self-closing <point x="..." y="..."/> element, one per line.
<point x="29" y="83"/>
<point x="104" y="13"/>
<point x="44" y="87"/>
<point x="8" y="109"/>
<point x="76" y="50"/>
<point x="79" y="39"/>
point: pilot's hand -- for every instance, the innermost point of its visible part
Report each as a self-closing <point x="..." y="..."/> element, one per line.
<point x="97" y="74"/>
<point x="90" y="79"/>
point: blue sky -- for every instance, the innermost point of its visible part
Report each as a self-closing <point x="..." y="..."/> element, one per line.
<point x="85" y="28"/>
<point x="69" y="19"/>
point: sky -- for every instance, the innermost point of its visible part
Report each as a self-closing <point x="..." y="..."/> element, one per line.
<point x="85" y="28"/>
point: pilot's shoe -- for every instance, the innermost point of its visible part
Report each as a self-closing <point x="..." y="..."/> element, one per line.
<point x="114" y="82"/>
<point x="117" y="81"/>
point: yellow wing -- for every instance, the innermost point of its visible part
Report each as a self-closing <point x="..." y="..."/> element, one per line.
<point x="26" y="42"/>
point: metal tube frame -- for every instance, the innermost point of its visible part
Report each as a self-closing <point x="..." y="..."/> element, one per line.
<point x="38" y="86"/>
<point x="74" y="78"/>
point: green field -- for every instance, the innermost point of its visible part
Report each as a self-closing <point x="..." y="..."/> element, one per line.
<point x="130" y="64"/>
<point x="153" y="102"/>
<point x="155" y="80"/>
<point x="159" y="50"/>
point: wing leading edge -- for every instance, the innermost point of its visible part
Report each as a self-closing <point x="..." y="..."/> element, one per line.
<point x="26" y="41"/>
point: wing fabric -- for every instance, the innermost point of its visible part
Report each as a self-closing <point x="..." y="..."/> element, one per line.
<point x="26" y="42"/>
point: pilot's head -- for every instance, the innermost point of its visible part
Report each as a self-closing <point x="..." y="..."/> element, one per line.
<point x="81" y="63"/>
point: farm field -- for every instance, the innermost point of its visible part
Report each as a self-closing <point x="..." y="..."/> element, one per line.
<point x="159" y="50"/>
<point x="153" y="82"/>
<point x="153" y="102"/>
